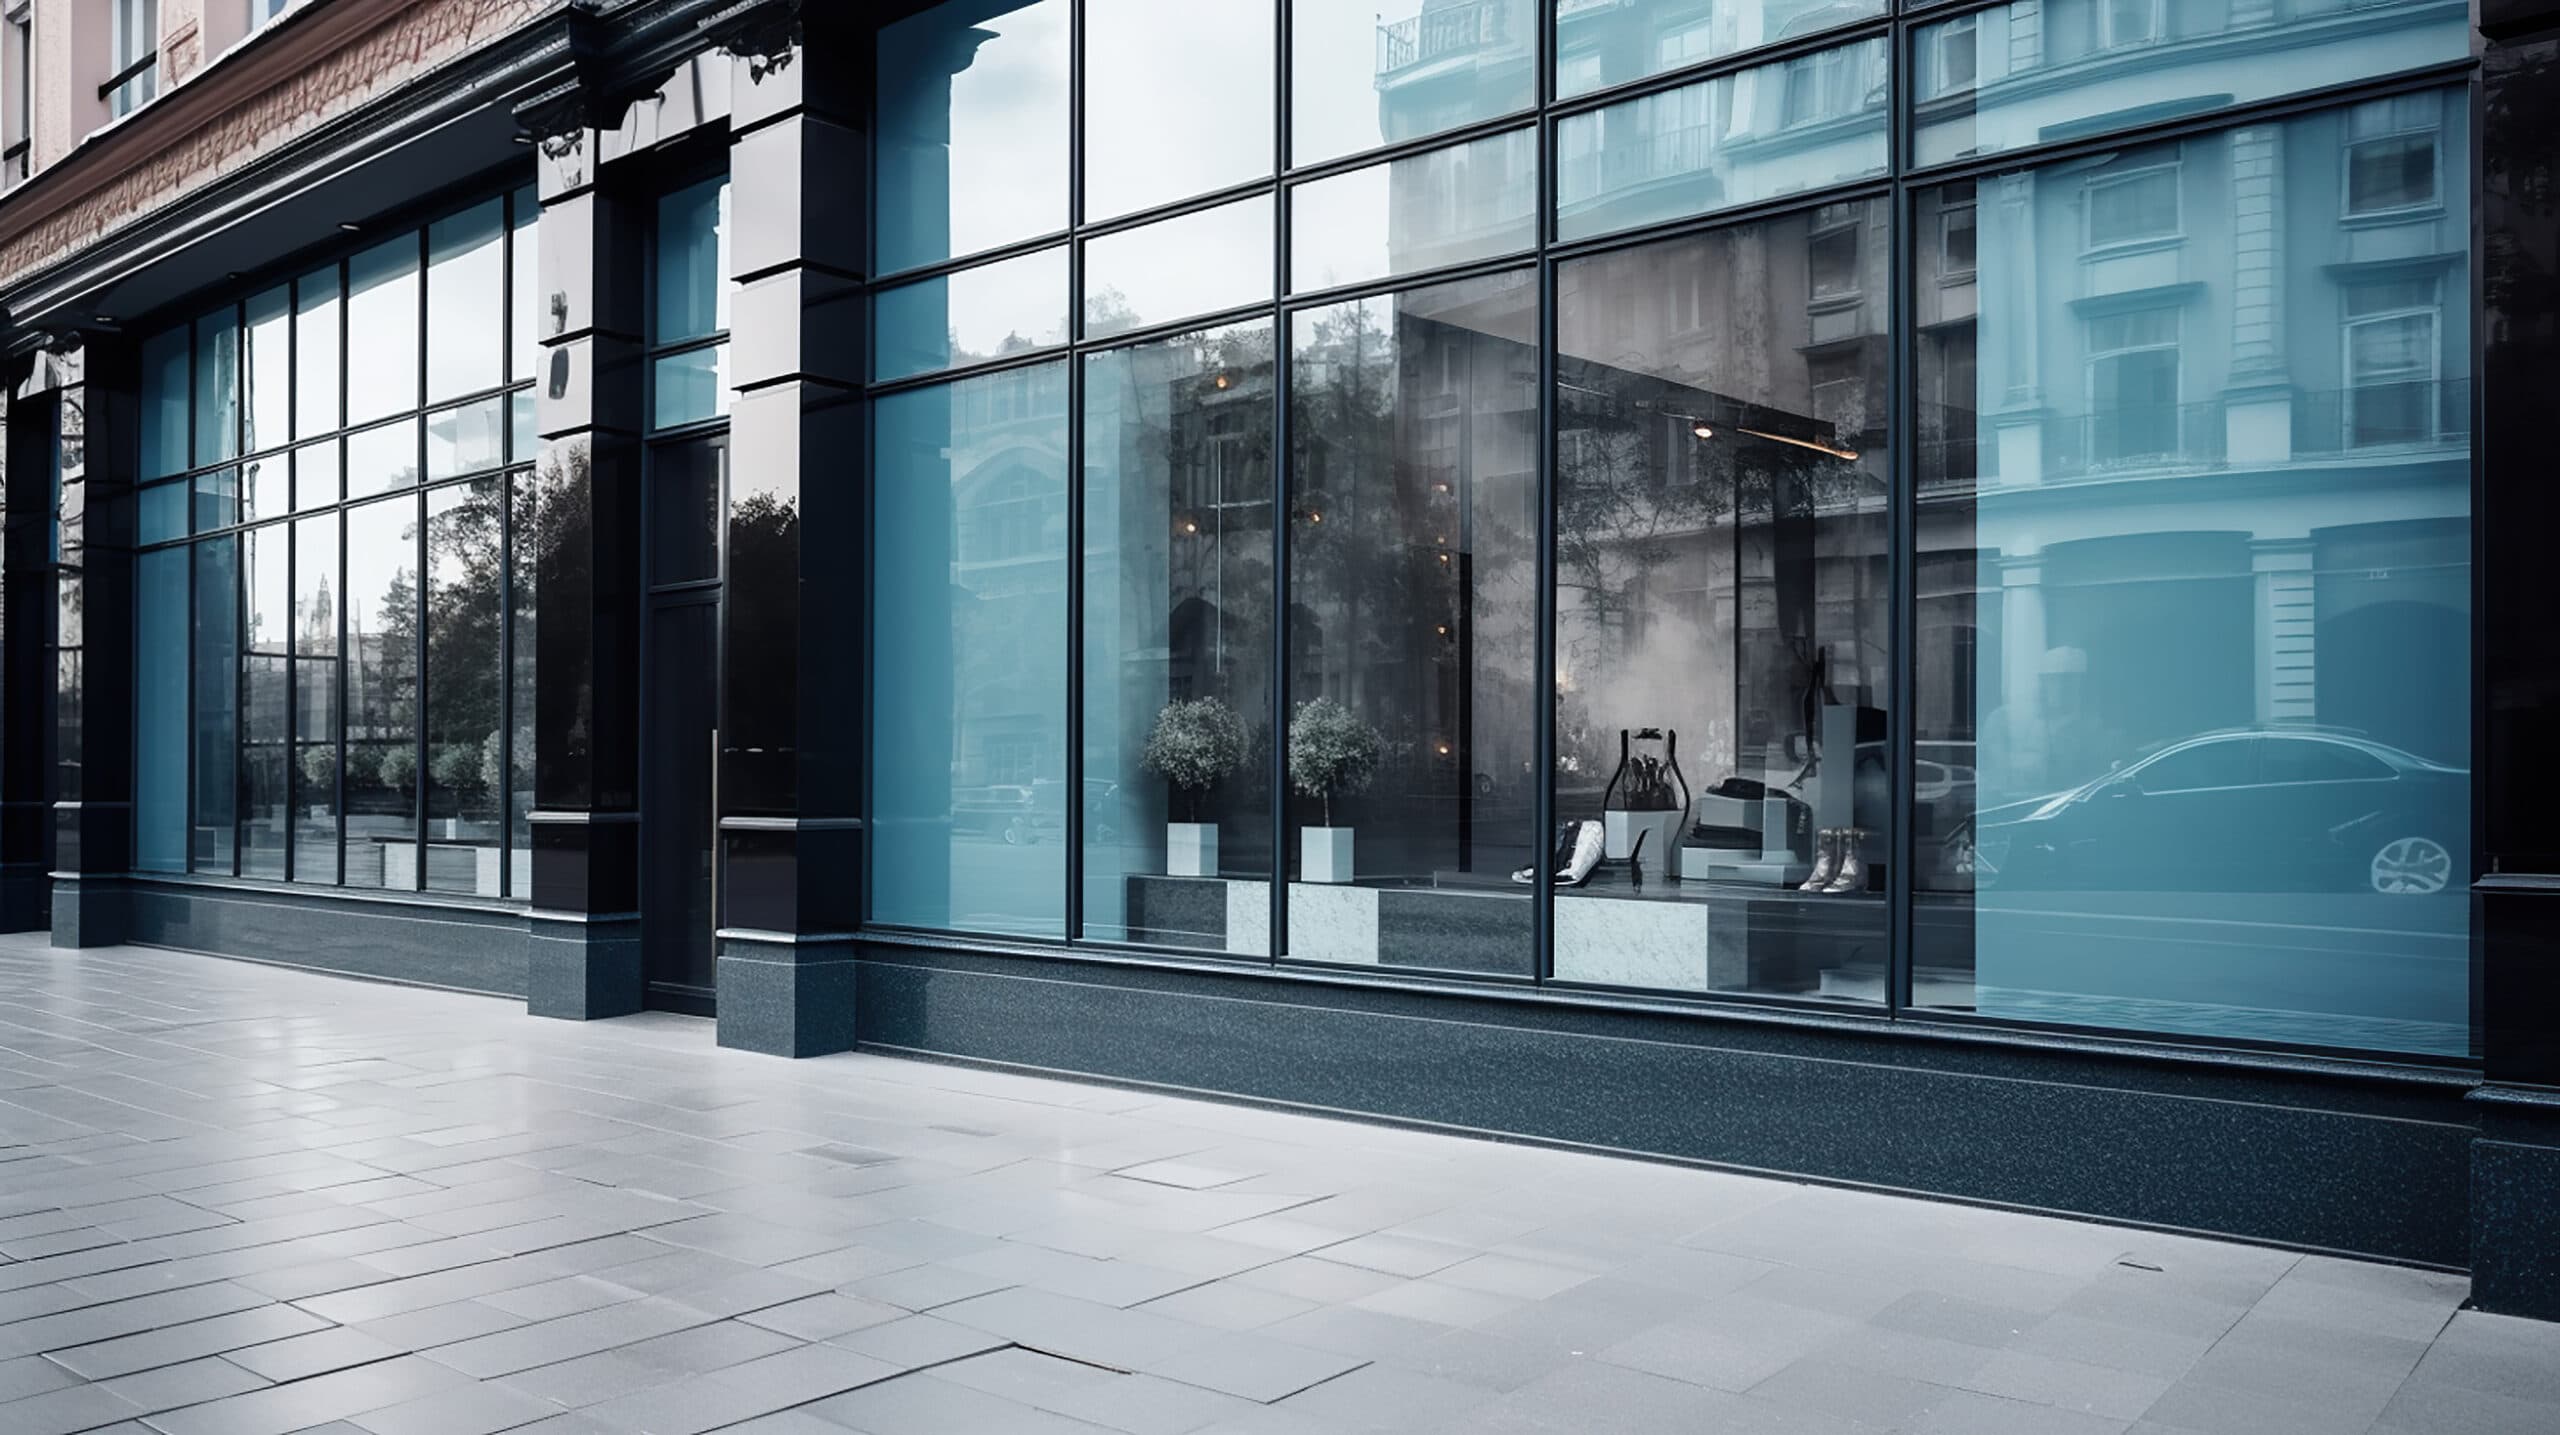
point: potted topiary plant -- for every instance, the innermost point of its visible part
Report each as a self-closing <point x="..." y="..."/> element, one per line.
<point x="1330" y="751"/>
<point x="1194" y="744"/>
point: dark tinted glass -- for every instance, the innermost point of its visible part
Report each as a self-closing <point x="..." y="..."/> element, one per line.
<point x="685" y="512"/>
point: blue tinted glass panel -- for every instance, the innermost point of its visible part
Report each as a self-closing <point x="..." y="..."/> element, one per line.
<point x="382" y="330"/>
<point x="217" y="373"/>
<point x="267" y="369"/>
<point x="2024" y="74"/>
<point x="217" y="503"/>
<point x="217" y="704"/>
<point x="2194" y="722"/>
<point x="1174" y="268"/>
<point x="969" y="638"/>
<point x="693" y="262"/>
<point x="1737" y="139"/>
<point x="689" y="387"/>
<point x="163" y="512"/>
<point x="164" y="403"/>
<point x="988" y="312"/>
<point x="1451" y="206"/>
<point x="160" y="710"/>
<point x="1610" y="42"/>
<point x="1369" y="72"/>
<point x="466" y="301"/>
<point x="972" y="131"/>
<point x="318" y="406"/>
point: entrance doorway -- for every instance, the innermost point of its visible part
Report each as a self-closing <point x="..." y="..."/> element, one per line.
<point x="680" y="724"/>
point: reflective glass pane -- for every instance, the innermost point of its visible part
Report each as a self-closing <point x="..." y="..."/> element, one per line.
<point x="1174" y="268"/>
<point x="1995" y="80"/>
<point x="1737" y="139"/>
<point x="267" y="369"/>
<point x="1610" y="42"/>
<point x="317" y="403"/>
<point x="524" y="326"/>
<point x="522" y="615"/>
<point x="265" y="487"/>
<point x="2194" y="618"/>
<point x="217" y="374"/>
<point x="265" y="618"/>
<point x="382" y="459"/>
<point x="693" y="263"/>
<point x="685" y="510"/>
<point x="1368" y="72"/>
<point x="217" y="499"/>
<point x="465" y="687"/>
<point x="1452" y="206"/>
<point x="315" y="699"/>
<point x="969" y="639"/>
<point x="381" y="777"/>
<point x="976" y="314"/>
<point x="163" y="512"/>
<point x="315" y="475"/>
<point x="1177" y="100"/>
<point x="1723" y="604"/>
<point x="524" y="439"/>
<point x="165" y="387"/>
<point x="1413" y="542"/>
<point x="973" y="131"/>
<point x="466" y="301"/>
<point x="466" y="439"/>
<point x="689" y="387"/>
<point x="1177" y="642"/>
<point x="382" y="330"/>
<point x="216" y="704"/>
<point x="160" y="709"/>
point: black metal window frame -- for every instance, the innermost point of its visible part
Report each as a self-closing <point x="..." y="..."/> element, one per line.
<point x="512" y="469"/>
<point x="1902" y="180"/>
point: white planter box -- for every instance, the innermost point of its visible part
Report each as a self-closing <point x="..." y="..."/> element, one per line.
<point x="1191" y="849"/>
<point x="1324" y="854"/>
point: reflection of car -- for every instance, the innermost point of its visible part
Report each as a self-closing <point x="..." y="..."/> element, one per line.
<point x="2256" y="809"/>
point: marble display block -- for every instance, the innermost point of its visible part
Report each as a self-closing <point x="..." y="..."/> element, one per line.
<point x="1671" y="945"/>
<point x="1324" y="854"/>
<point x="1329" y="923"/>
<point x="1248" y="919"/>
<point x="1661" y="834"/>
<point x="1191" y="849"/>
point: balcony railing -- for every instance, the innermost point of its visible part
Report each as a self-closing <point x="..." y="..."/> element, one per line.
<point x="1452" y="30"/>
<point x="2382" y="416"/>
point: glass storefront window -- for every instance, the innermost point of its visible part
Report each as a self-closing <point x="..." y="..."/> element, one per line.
<point x="265" y="703"/>
<point x="1737" y="139"/>
<point x="382" y="330"/>
<point x="465" y="734"/>
<point x="160" y="653"/>
<point x="466" y="301"/>
<point x="315" y="700"/>
<point x="165" y="446"/>
<point x="216" y="705"/>
<point x="1450" y="206"/>
<point x="2194" y="616"/>
<point x="267" y="370"/>
<point x="381" y="776"/>
<point x="1722" y="608"/>
<point x="1175" y="268"/>
<point x="1177" y="100"/>
<point x="1177" y="641"/>
<point x="1008" y="307"/>
<point x="968" y="643"/>
<point x="1369" y="72"/>
<point x="319" y="376"/>
<point x="2026" y="73"/>
<point x="973" y="131"/>
<point x="1600" y="43"/>
<point x="1413" y="532"/>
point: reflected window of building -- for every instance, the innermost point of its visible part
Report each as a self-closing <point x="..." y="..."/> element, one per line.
<point x="1413" y="529"/>
<point x="1369" y="72"/>
<point x="2393" y="154"/>
<point x="2133" y="201"/>
<point x="2204" y="727"/>
<point x="971" y="148"/>
<point x="1599" y="43"/>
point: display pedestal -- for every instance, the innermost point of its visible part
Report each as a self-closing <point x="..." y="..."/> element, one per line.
<point x="1660" y="831"/>
<point x="1665" y="945"/>
<point x="1324" y="854"/>
<point x="1776" y="864"/>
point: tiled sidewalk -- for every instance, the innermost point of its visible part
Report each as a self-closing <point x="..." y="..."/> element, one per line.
<point x="237" y="1200"/>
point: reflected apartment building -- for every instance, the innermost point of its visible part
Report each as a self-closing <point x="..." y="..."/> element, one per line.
<point x="1942" y="596"/>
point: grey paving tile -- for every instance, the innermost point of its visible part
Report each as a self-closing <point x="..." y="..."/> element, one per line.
<point x="1146" y="1405"/>
<point x="1253" y="1366"/>
<point x="60" y="1412"/>
<point x="822" y="1317"/>
<point x="2071" y="1385"/>
<point x="189" y="1383"/>
<point x="317" y="1401"/>
<point x="1228" y="1305"/>
<point x="108" y="1359"/>
<point x="1081" y="1330"/>
<point x="922" y="1287"/>
<point x="1027" y="1376"/>
<point x="480" y="1410"/>
<point x="926" y="1404"/>
<point x="302" y="1356"/>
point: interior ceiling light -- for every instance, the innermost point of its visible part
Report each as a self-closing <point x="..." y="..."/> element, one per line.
<point x="1834" y="450"/>
<point x="1702" y="431"/>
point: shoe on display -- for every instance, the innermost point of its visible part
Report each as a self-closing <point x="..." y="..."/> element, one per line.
<point x="1825" y="863"/>
<point x="1578" y="849"/>
<point x="1852" y="873"/>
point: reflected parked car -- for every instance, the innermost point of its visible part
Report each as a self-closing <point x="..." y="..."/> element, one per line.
<point x="1043" y="817"/>
<point x="2253" y="809"/>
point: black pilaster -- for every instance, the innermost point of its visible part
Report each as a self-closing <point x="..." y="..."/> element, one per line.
<point x="2515" y="1166"/>
<point x="26" y="659"/>
<point x="95" y="421"/>
<point x="584" y="957"/>
<point x="790" y="838"/>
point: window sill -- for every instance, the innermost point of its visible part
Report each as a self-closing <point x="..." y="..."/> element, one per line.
<point x="262" y="887"/>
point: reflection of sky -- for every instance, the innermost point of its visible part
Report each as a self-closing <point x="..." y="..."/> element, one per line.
<point x="1177" y="100"/>
<point x="1007" y="127"/>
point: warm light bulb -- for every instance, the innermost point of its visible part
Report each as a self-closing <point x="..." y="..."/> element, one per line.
<point x="1444" y="557"/>
<point x="1444" y="630"/>
<point x="1222" y="381"/>
<point x="1703" y="431"/>
<point x="1444" y="749"/>
<point x="1190" y="527"/>
<point x="1314" y="517"/>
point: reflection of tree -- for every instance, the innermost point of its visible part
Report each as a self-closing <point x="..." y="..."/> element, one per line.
<point x="465" y="683"/>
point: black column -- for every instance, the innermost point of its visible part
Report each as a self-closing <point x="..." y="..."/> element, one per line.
<point x="790" y="734"/>
<point x="26" y="659"/>
<point x="584" y="547"/>
<point x="2515" y="1166"/>
<point x="95" y="423"/>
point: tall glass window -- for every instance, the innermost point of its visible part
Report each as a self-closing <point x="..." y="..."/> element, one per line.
<point x="1610" y="44"/>
<point x="973" y="131"/>
<point x="690" y="309"/>
<point x="1413" y="538"/>
<point x="325" y="690"/>
<point x="1177" y="641"/>
<point x="2194" y="727"/>
<point x="1369" y="72"/>
<point x="135" y="48"/>
<point x="968" y="641"/>
<point x="1145" y="60"/>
